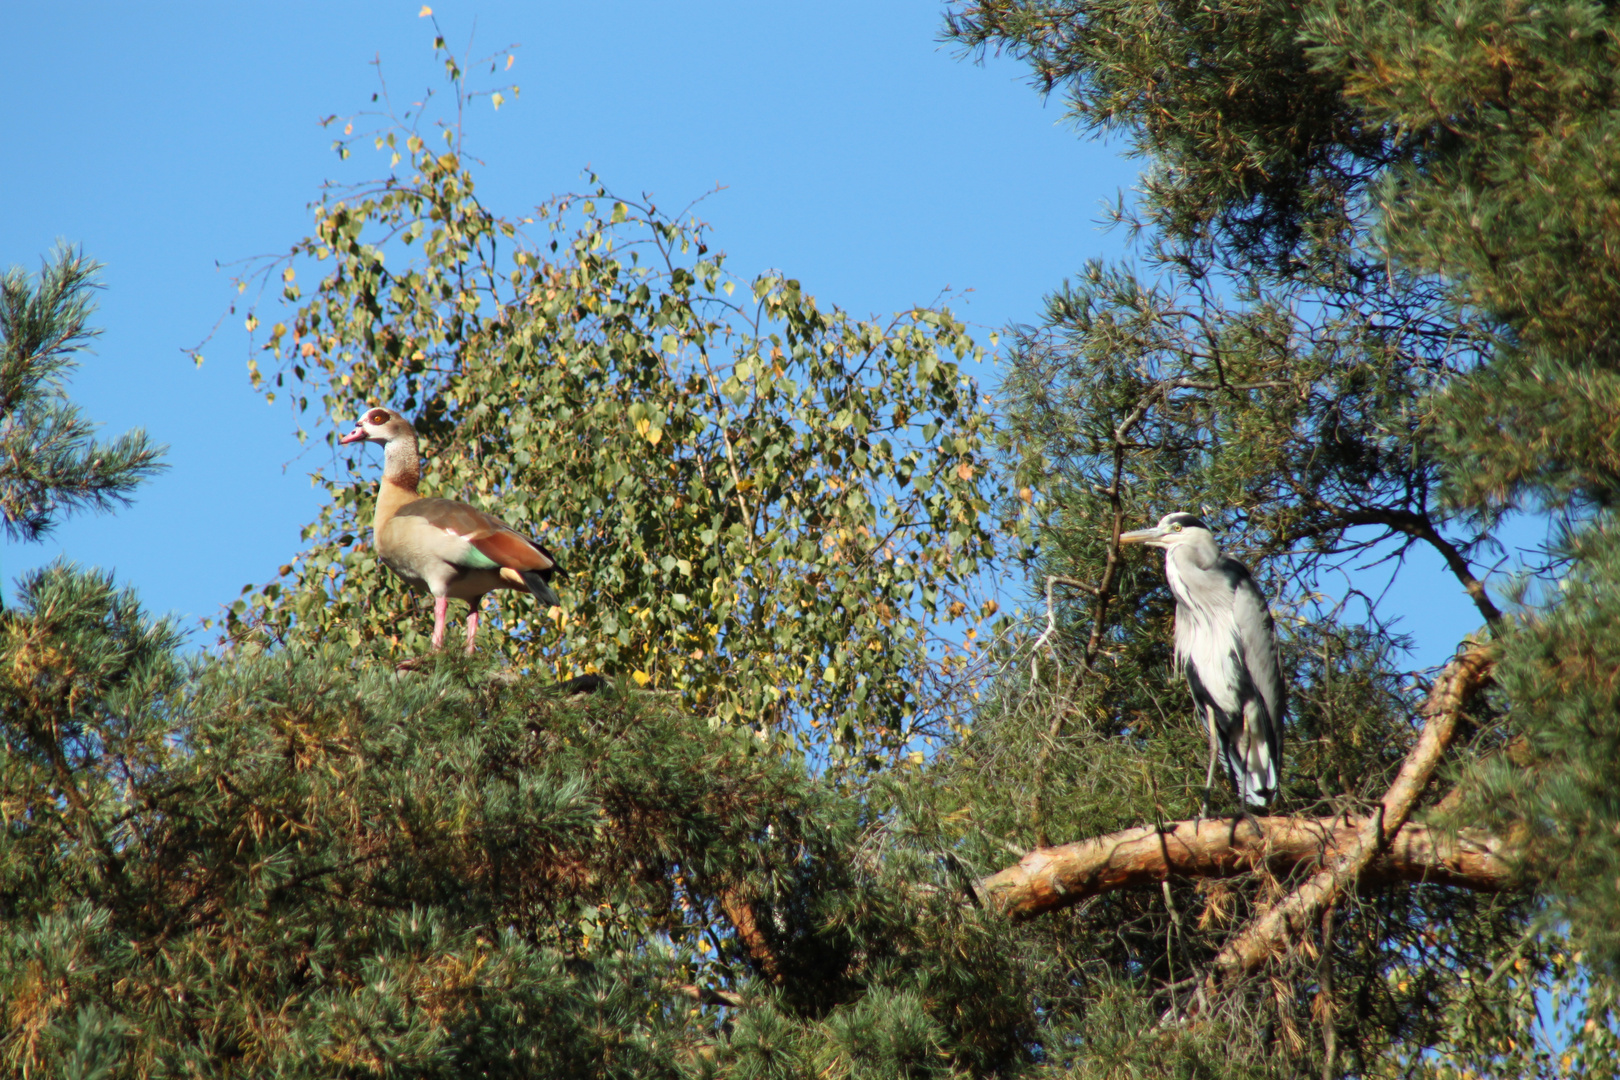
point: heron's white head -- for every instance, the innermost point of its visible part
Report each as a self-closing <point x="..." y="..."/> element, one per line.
<point x="1172" y="531"/>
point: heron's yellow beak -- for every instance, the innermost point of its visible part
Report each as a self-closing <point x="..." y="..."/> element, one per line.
<point x="1142" y="536"/>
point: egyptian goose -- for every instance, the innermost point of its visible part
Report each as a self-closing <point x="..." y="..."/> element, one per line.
<point x="444" y="546"/>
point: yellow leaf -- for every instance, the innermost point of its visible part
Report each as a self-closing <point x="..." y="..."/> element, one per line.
<point x="1026" y="494"/>
<point x="348" y="129"/>
<point x="497" y="100"/>
<point x="641" y="677"/>
<point x="645" y="429"/>
<point x="509" y="59"/>
<point x="965" y="471"/>
<point x="308" y="349"/>
<point x="425" y="12"/>
<point x="287" y="274"/>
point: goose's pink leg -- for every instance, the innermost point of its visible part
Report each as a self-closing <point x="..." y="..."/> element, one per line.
<point x="440" y="605"/>
<point x="472" y="628"/>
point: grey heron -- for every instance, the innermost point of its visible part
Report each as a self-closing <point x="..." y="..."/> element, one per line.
<point x="1226" y="646"/>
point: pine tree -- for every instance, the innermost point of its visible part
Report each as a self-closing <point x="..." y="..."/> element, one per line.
<point x="1380" y="315"/>
<point x="296" y="863"/>
<point x="50" y="463"/>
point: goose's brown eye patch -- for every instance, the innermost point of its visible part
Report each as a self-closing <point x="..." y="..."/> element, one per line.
<point x="377" y="416"/>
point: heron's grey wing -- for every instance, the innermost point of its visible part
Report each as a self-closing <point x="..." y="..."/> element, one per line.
<point x="1257" y="635"/>
<point x="1257" y="640"/>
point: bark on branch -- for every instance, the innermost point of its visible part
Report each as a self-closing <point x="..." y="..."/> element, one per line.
<point x="708" y="995"/>
<point x="1050" y="878"/>
<point x="739" y="909"/>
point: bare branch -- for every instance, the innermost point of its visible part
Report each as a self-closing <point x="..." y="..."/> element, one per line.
<point x="739" y="909"/>
<point x="1056" y="877"/>
<point x="1051" y="622"/>
<point x="1420" y="527"/>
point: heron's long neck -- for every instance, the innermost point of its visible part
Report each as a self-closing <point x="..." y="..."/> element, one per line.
<point x="1197" y="556"/>
<point x="1186" y="567"/>
<point x="402" y="470"/>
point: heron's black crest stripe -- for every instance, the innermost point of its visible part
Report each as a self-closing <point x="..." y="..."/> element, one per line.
<point x="1188" y="521"/>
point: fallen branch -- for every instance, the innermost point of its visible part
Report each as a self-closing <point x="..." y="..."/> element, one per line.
<point x="1050" y="878"/>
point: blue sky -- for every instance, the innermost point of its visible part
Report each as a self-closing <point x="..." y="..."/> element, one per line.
<point x="856" y="153"/>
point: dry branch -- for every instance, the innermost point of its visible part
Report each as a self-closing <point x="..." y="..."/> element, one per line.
<point x="1055" y="877"/>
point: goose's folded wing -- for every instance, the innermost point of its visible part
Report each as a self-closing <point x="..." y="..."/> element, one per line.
<point x="488" y="536"/>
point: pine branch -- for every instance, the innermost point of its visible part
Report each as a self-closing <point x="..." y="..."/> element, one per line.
<point x="707" y="995"/>
<point x="1048" y="879"/>
<point x="1352" y="853"/>
<point x="50" y="463"/>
